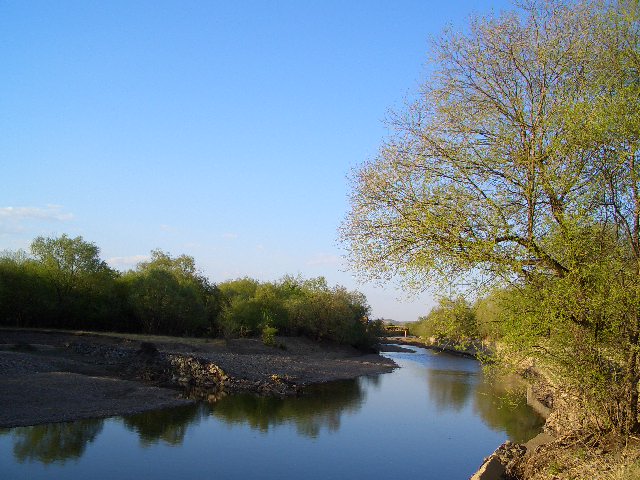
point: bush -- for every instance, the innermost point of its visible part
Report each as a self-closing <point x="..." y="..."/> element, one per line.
<point x="269" y="335"/>
<point x="453" y="320"/>
<point x="295" y="306"/>
<point x="66" y="285"/>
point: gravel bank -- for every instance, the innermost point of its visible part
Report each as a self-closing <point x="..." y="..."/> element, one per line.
<point x="49" y="376"/>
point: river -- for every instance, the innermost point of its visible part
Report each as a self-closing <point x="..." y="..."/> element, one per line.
<point x="436" y="417"/>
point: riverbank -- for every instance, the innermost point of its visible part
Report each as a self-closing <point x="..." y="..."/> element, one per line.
<point x="389" y="342"/>
<point x="565" y="449"/>
<point x="52" y="376"/>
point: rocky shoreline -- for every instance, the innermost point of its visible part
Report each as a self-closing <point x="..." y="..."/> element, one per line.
<point x="52" y="376"/>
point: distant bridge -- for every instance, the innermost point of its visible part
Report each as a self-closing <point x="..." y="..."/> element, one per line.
<point x="396" y="330"/>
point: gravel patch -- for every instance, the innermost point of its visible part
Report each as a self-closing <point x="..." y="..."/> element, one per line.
<point x="50" y="376"/>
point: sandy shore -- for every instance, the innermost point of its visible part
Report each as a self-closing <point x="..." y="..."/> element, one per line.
<point x="48" y="376"/>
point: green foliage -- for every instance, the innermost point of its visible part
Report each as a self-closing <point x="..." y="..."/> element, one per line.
<point x="27" y="296"/>
<point x="65" y="284"/>
<point x="268" y="331"/>
<point x="269" y="335"/>
<point x="296" y="306"/>
<point x="452" y="321"/>
<point x="82" y="281"/>
<point x="168" y="295"/>
<point x="165" y="305"/>
<point x="490" y="312"/>
<point x="243" y="313"/>
<point x="582" y="326"/>
<point x="519" y="165"/>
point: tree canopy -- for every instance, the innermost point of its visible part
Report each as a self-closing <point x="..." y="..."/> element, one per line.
<point x="510" y="141"/>
<point x="518" y="163"/>
<point x="65" y="284"/>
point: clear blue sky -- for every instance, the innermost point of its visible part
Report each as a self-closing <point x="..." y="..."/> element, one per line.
<point x="223" y="130"/>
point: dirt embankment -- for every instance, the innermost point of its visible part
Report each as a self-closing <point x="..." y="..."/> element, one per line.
<point x="50" y="376"/>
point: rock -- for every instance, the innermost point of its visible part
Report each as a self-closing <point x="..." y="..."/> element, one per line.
<point x="500" y="462"/>
<point x="196" y="371"/>
<point x="491" y="469"/>
<point x="540" y="439"/>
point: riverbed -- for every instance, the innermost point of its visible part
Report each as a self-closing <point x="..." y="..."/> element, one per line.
<point x="435" y="417"/>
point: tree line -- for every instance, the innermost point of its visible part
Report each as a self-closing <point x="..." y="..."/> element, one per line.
<point x="63" y="283"/>
<point x="516" y="171"/>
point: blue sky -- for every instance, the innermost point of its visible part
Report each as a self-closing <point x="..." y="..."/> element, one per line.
<point x="223" y="130"/>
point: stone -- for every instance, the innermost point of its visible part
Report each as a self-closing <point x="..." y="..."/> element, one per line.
<point x="492" y="469"/>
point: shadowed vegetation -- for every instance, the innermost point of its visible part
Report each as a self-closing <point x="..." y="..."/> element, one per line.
<point x="63" y="283"/>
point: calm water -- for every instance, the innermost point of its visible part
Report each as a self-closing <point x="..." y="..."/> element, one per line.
<point x="435" y="417"/>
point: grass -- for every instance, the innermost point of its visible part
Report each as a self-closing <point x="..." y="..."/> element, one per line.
<point x="570" y="459"/>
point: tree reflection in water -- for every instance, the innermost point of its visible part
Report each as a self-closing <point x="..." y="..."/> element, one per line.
<point x="453" y="384"/>
<point x="321" y="406"/>
<point x="54" y="442"/>
<point x="450" y="390"/>
<point x="500" y="402"/>
<point x="372" y="380"/>
<point x="168" y="425"/>
<point x="502" y="406"/>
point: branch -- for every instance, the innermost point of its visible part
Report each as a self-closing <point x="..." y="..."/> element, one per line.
<point x="560" y="269"/>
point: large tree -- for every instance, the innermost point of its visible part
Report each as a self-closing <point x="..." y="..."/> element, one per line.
<point x="83" y="282"/>
<point x="169" y="295"/>
<point x="477" y="172"/>
<point x="519" y="162"/>
<point x="68" y="260"/>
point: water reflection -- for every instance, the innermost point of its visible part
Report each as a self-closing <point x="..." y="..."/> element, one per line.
<point x="455" y="383"/>
<point x="450" y="390"/>
<point x="54" y="442"/>
<point x="482" y="411"/>
<point x="502" y="406"/>
<point x="168" y="425"/>
<point x="372" y="380"/>
<point x="320" y="406"/>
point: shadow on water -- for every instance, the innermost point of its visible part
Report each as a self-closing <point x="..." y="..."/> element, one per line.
<point x="54" y="442"/>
